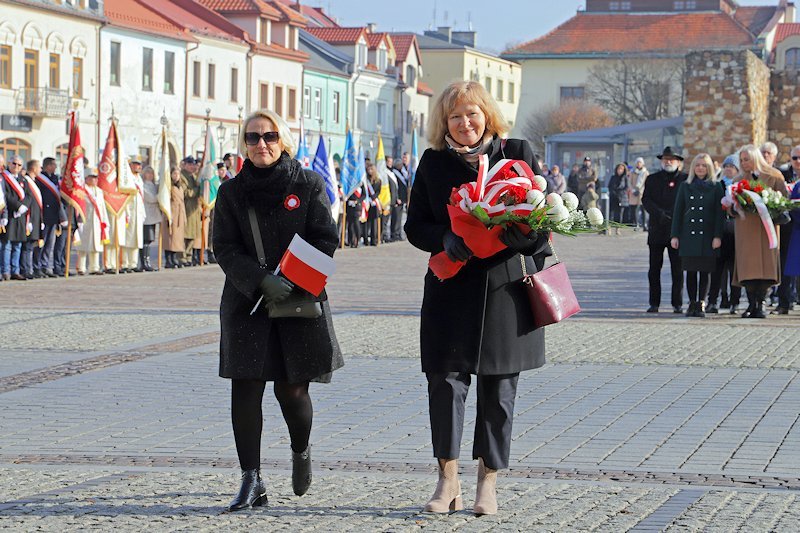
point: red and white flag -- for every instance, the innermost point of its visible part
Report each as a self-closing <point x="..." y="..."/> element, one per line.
<point x="305" y="266"/>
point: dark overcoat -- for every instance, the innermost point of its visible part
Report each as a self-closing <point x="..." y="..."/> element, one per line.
<point x="698" y="218"/>
<point x="659" y="201"/>
<point x="15" y="230"/>
<point x="309" y="346"/>
<point x="478" y="321"/>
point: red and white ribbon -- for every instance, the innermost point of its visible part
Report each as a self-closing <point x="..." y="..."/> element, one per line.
<point x="49" y="184"/>
<point x="37" y="194"/>
<point x="766" y="219"/>
<point x="15" y="186"/>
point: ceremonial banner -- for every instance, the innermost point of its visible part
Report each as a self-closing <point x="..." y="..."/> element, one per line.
<point x="208" y="171"/>
<point x="107" y="171"/>
<point x="72" y="184"/>
<point x="323" y="167"/>
<point x="412" y="164"/>
<point x="164" y="180"/>
<point x="351" y="179"/>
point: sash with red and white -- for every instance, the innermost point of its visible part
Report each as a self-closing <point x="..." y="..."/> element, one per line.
<point x="14" y="184"/>
<point x="41" y="178"/>
<point x="35" y="192"/>
<point x="492" y="183"/>
<point x="103" y="225"/>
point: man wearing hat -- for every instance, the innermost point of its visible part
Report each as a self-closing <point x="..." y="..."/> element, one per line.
<point x="658" y="200"/>
<point x="92" y="233"/>
<point x="134" y="228"/>
<point x="194" y="222"/>
<point x="586" y="174"/>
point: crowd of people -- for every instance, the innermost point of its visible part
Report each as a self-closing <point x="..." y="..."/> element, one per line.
<point x="35" y="222"/>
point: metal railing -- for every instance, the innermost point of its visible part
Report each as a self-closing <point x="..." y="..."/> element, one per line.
<point x="43" y="101"/>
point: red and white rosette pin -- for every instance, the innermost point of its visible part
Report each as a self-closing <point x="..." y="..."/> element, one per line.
<point x="291" y="202"/>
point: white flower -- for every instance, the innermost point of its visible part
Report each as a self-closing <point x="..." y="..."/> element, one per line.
<point x="535" y="197"/>
<point x="553" y="199"/>
<point x="594" y="216"/>
<point x="570" y="200"/>
<point x="540" y="182"/>
<point x="558" y="213"/>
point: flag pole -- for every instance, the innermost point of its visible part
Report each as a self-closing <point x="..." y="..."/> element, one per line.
<point x="202" y="192"/>
<point x="69" y="240"/>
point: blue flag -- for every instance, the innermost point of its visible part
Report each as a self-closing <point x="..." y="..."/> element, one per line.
<point x="350" y="177"/>
<point x="321" y="166"/>
<point x="302" y="149"/>
<point x="412" y="164"/>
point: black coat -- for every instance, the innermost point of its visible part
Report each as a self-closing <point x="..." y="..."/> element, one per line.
<point x="15" y="230"/>
<point x="659" y="201"/>
<point x="53" y="211"/>
<point x="309" y="346"/>
<point x="478" y="321"/>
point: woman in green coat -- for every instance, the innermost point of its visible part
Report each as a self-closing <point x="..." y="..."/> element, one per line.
<point x="697" y="225"/>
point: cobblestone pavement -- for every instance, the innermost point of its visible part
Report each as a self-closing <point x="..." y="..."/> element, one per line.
<point x="638" y="422"/>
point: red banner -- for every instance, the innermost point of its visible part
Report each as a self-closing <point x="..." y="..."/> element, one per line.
<point x="72" y="184"/>
<point x="107" y="174"/>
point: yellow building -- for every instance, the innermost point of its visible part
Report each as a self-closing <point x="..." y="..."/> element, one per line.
<point x="451" y="55"/>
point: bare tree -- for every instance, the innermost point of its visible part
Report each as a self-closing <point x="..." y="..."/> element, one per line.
<point x="637" y="89"/>
<point x="570" y="115"/>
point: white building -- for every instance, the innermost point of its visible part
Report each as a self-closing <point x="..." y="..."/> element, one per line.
<point x="414" y="95"/>
<point x="48" y="66"/>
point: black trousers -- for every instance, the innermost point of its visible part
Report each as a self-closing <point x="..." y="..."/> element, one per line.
<point x="787" y="287"/>
<point x="697" y="285"/>
<point x="722" y="277"/>
<point x="353" y="230"/>
<point x="654" y="274"/>
<point x="397" y="222"/>
<point x="447" y="394"/>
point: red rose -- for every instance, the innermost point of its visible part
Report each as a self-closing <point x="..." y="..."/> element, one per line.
<point x="758" y="189"/>
<point x="291" y="203"/>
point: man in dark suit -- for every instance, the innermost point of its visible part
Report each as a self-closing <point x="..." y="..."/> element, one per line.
<point x="659" y="200"/>
<point x="787" y="288"/>
<point x="54" y="217"/>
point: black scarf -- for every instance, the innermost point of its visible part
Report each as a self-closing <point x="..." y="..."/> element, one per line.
<point x="268" y="187"/>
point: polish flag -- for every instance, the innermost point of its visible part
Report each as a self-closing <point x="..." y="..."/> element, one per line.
<point x="305" y="266"/>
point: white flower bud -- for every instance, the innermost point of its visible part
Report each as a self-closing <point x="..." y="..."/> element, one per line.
<point x="570" y="201"/>
<point x="535" y="197"/>
<point x="540" y="182"/>
<point x="594" y="216"/>
<point x="553" y="199"/>
<point x="558" y="213"/>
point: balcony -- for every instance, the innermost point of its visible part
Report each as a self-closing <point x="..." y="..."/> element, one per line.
<point x="43" y="101"/>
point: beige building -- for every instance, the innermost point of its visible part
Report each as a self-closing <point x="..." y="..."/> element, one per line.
<point x="452" y="55"/>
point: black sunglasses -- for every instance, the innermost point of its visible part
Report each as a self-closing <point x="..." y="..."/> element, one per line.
<point x="15" y="164"/>
<point x="251" y="138"/>
<point x="795" y="157"/>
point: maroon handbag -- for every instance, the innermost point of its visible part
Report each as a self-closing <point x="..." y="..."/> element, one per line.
<point x="550" y="293"/>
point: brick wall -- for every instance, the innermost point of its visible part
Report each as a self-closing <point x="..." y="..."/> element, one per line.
<point x="784" y="111"/>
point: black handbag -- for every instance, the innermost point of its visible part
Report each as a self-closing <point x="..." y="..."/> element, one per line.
<point x="299" y="303"/>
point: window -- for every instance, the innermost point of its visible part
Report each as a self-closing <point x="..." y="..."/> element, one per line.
<point x="336" y="99"/>
<point x="263" y="95"/>
<point x="5" y="67"/>
<point x="147" y="69"/>
<point x="680" y="5"/>
<point x="361" y="114"/>
<point x="411" y="75"/>
<point x="500" y="89"/>
<point x="625" y="6"/>
<point x="576" y="93"/>
<point x="61" y="154"/>
<point x="114" y="74"/>
<point x="196" y="78"/>
<point x="12" y="146"/>
<point x="488" y="85"/>
<point x="361" y="54"/>
<point x="292" y="105"/>
<point x="77" y="77"/>
<point x="212" y="81"/>
<point x="277" y="102"/>
<point x="145" y="155"/>
<point x="793" y="58"/>
<point x="613" y="6"/>
<point x="264" y="31"/>
<point x="382" y="59"/>
<point x="511" y="94"/>
<point x="234" y="84"/>
<point x="169" y="72"/>
<point x="31" y="68"/>
<point x="409" y="122"/>
<point x="317" y="103"/>
<point x="381" y="114"/>
<point x="307" y="101"/>
<point x="55" y="67"/>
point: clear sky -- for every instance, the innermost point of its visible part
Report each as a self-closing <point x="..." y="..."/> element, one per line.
<point x="498" y="23"/>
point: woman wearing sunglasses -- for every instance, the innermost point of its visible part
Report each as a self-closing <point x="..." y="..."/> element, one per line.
<point x="285" y="200"/>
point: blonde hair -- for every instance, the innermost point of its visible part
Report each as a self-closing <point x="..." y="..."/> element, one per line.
<point x="708" y="162"/>
<point x="470" y="92"/>
<point x="760" y="165"/>
<point x="285" y="136"/>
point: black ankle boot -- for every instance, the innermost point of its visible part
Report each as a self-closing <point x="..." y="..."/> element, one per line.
<point x="252" y="493"/>
<point x="148" y="267"/>
<point x="691" y="308"/>
<point x="758" y="312"/>
<point x="301" y="471"/>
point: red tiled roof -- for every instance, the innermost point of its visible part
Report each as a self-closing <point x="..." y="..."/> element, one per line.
<point x="754" y="18"/>
<point x="589" y="33"/>
<point x="315" y="15"/>
<point x="786" y="30"/>
<point x="424" y="88"/>
<point x="251" y="7"/>
<point x="337" y="35"/>
<point x="375" y="39"/>
<point x="193" y="16"/>
<point x="289" y="14"/>
<point x="135" y="15"/>
<point x="403" y="42"/>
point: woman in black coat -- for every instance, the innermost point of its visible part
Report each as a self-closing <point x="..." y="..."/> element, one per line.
<point x="479" y="321"/>
<point x="618" y="194"/>
<point x="254" y="348"/>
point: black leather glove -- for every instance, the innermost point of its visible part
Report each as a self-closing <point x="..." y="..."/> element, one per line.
<point x="275" y="288"/>
<point x="514" y="238"/>
<point x="455" y="248"/>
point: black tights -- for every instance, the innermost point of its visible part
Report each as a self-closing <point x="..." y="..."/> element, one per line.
<point x="246" y="396"/>
<point x="697" y="293"/>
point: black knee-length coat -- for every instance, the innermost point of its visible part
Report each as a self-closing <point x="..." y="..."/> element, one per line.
<point x="309" y="346"/>
<point x="478" y="321"/>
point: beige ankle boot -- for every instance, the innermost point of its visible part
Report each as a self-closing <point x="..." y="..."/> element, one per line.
<point x="447" y="496"/>
<point x="485" y="496"/>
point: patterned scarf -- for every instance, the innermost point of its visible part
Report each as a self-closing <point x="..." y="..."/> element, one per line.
<point x="470" y="155"/>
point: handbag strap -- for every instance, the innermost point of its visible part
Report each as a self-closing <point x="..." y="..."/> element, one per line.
<point x="522" y="258"/>
<point x="262" y="258"/>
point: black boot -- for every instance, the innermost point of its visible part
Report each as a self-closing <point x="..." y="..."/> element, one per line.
<point x="140" y="266"/>
<point x="148" y="267"/>
<point x="690" y="309"/>
<point x="252" y="493"/>
<point x="195" y="257"/>
<point x="301" y="471"/>
<point x="751" y="303"/>
<point x="168" y="260"/>
<point x="700" y="310"/>
<point x="758" y="312"/>
<point x="212" y="259"/>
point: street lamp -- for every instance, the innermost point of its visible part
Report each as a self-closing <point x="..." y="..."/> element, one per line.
<point x="221" y="130"/>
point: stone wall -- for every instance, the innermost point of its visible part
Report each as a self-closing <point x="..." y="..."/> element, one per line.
<point x="727" y="102"/>
<point x="784" y="111"/>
